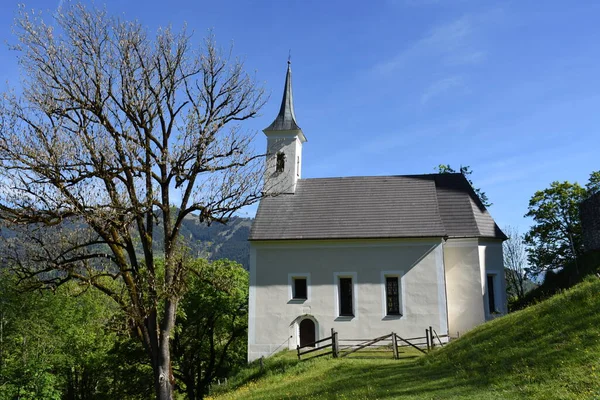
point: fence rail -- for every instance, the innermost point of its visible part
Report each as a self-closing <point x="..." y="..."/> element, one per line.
<point x="366" y="344"/>
<point x="423" y="344"/>
<point x="312" y="348"/>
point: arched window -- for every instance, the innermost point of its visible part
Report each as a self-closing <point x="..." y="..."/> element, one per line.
<point x="280" y="162"/>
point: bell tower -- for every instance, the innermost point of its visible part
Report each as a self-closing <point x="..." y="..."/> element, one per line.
<point x="284" y="146"/>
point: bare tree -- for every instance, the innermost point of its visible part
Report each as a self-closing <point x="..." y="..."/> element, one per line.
<point x="114" y="132"/>
<point x="515" y="261"/>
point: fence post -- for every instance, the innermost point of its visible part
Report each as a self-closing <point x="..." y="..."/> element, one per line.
<point x="262" y="364"/>
<point x="431" y="337"/>
<point x="395" y="346"/>
<point x="427" y="338"/>
<point x="298" y="349"/>
<point x="334" y="343"/>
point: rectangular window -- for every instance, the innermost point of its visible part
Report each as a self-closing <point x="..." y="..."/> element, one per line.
<point x="346" y="308"/>
<point x="491" y="294"/>
<point x="392" y="295"/>
<point x="300" y="291"/>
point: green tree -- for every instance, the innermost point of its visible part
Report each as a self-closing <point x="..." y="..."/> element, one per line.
<point x="72" y="344"/>
<point x="211" y="333"/>
<point x="466" y="171"/>
<point x="593" y="185"/>
<point x="26" y="345"/>
<point x="555" y="237"/>
<point x="57" y="345"/>
<point x="112" y="126"/>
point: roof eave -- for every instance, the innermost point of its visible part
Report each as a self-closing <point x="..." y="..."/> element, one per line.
<point x="345" y="238"/>
<point x="286" y="132"/>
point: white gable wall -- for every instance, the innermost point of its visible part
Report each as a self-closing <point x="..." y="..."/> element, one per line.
<point x="463" y="285"/>
<point x="468" y="262"/>
<point x="274" y="317"/>
<point x="492" y="262"/>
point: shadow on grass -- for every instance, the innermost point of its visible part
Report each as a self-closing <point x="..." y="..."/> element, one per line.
<point x="550" y="350"/>
<point x="278" y="364"/>
<point x="365" y="380"/>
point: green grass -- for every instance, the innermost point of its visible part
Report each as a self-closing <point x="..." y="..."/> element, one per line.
<point x="547" y="351"/>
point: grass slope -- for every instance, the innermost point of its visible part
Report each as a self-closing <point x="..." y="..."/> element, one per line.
<point x="548" y="351"/>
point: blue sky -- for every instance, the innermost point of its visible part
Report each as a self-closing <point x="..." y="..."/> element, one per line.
<point x="399" y="86"/>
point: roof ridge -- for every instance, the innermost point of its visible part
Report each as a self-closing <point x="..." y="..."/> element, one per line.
<point x="433" y="175"/>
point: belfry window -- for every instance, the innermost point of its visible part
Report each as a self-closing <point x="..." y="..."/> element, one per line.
<point x="280" y="162"/>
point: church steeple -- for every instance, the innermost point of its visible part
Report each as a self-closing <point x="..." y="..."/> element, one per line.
<point x="284" y="145"/>
<point x="286" y="119"/>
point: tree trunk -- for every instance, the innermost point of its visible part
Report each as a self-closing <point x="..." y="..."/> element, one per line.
<point x="162" y="374"/>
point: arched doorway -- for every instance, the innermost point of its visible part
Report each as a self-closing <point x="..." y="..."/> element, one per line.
<point x="307" y="331"/>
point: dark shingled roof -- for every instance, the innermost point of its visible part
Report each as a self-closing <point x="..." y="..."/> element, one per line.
<point x="286" y="119"/>
<point x="409" y="206"/>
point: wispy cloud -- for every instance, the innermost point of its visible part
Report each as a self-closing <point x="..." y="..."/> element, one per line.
<point x="385" y="146"/>
<point x="449" y="44"/>
<point x="440" y="87"/>
<point x="465" y="58"/>
<point x="519" y="168"/>
<point x="512" y="171"/>
<point x="448" y="36"/>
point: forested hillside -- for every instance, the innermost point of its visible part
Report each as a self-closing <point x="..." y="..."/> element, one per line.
<point x="219" y="241"/>
<point x="214" y="242"/>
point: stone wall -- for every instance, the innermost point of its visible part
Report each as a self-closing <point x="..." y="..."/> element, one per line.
<point x="589" y="211"/>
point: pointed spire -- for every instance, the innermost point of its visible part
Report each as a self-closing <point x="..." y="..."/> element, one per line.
<point x="286" y="120"/>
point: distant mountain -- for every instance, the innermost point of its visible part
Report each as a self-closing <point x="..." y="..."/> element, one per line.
<point x="213" y="242"/>
<point x="219" y="241"/>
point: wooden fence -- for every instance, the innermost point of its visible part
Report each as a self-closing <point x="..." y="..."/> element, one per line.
<point x="331" y="344"/>
<point x="331" y="341"/>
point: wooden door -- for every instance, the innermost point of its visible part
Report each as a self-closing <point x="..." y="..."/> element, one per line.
<point x="307" y="332"/>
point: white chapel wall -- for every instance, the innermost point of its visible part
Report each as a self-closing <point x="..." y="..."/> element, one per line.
<point x="273" y="317"/>
<point x="492" y="262"/>
<point x="463" y="285"/>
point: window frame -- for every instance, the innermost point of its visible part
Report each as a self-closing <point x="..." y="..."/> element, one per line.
<point x="291" y="287"/>
<point x="384" y="311"/>
<point x="337" y="293"/>
<point x="494" y="297"/>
